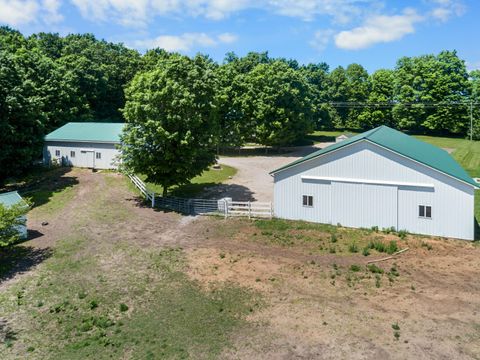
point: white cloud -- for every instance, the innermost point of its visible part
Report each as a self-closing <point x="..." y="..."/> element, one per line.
<point x="378" y="29"/>
<point x="52" y="11"/>
<point x="321" y="39"/>
<point x="185" y="42"/>
<point x="445" y="9"/>
<point x="18" y="12"/>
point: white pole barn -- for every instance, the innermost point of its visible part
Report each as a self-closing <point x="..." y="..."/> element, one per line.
<point x="87" y="144"/>
<point x="379" y="178"/>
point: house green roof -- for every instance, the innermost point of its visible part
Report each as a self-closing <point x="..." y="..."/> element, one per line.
<point x="10" y="198"/>
<point x="87" y="132"/>
<point x="402" y="144"/>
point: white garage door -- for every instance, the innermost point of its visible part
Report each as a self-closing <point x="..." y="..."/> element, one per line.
<point x="364" y="205"/>
<point x="86" y="158"/>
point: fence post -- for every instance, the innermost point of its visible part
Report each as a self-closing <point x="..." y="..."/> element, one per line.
<point x="249" y="209"/>
<point x="153" y="200"/>
<point x="271" y="210"/>
<point x="225" y="208"/>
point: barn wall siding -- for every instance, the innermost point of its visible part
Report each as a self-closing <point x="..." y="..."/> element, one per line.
<point x="84" y="154"/>
<point x="452" y="201"/>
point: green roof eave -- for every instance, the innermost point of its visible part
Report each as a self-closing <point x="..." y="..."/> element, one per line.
<point x="87" y="132"/>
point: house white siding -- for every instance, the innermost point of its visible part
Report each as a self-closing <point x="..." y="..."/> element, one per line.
<point x="85" y="154"/>
<point x="365" y="185"/>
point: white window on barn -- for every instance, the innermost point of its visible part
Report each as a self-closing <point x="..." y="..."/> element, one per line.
<point x="98" y="155"/>
<point x="57" y="152"/>
<point x="425" y="211"/>
<point x="72" y="154"/>
<point x="308" y="200"/>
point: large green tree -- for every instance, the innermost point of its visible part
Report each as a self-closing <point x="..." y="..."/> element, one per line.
<point x="171" y="121"/>
<point x="277" y="99"/>
<point x="10" y="219"/>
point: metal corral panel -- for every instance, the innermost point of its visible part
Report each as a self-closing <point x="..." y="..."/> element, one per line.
<point x="373" y="186"/>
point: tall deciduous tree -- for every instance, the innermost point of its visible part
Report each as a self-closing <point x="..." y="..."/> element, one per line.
<point x="10" y="219"/>
<point x="171" y="121"/>
<point x="278" y="100"/>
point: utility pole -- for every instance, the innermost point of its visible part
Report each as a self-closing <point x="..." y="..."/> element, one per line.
<point x="471" y="120"/>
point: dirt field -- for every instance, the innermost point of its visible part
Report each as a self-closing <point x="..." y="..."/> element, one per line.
<point x="252" y="181"/>
<point x="314" y="298"/>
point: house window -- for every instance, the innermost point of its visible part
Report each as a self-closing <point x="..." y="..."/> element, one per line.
<point x="72" y="154"/>
<point x="425" y="211"/>
<point x="308" y="200"/>
<point x="98" y="155"/>
<point x="57" y="152"/>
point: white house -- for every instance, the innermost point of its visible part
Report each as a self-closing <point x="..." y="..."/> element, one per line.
<point x="379" y="178"/>
<point x="13" y="198"/>
<point x="84" y="144"/>
<point x="343" y="137"/>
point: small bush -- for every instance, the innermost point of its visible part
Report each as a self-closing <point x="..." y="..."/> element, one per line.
<point x="353" y="248"/>
<point x="366" y="251"/>
<point x="374" y="228"/>
<point x="388" y="230"/>
<point x="355" y="268"/>
<point x="82" y="295"/>
<point x="123" y="307"/>
<point x="222" y="255"/>
<point x="402" y="234"/>
<point x="392" y="247"/>
<point x="396" y="334"/>
<point x="333" y="238"/>
<point x="395" y="326"/>
<point x="93" y="304"/>
<point x="374" y="269"/>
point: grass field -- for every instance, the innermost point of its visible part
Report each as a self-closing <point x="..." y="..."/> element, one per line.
<point x="100" y="294"/>
<point x="198" y="184"/>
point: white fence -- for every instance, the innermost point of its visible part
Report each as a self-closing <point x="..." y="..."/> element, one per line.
<point x="224" y="207"/>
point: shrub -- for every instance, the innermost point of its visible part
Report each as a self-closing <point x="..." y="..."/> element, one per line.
<point x="353" y="248"/>
<point x="366" y="251"/>
<point x="392" y="247"/>
<point x="374" y="228"/>
<point x="93" y="304"/>
<point x="395" y="326"/>
<point x="374" y="269"/>
<point x="333" y="238"/>
<point x="355" y="268"/>
<point x="123" y="307"/>
<point x="402" y="234"/>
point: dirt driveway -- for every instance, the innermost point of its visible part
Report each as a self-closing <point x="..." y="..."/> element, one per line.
<point x="252" y="181"/>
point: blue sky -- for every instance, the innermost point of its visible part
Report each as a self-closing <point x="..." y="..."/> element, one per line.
<point x="371" y="32"/>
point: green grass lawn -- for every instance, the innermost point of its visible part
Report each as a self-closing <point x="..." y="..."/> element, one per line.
<point x="198" y="184"/>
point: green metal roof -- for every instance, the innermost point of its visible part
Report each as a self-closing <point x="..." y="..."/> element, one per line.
<point x="10" y="198"/>
<point x="402" y="144"/>
<point x="87" y="132"/>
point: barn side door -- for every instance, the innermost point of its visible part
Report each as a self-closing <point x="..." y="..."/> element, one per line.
<point x="364" y="205"/>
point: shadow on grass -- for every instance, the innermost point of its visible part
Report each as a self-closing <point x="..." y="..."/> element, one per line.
<point x="19" y="259"/>
<point x="40" y="187"/>
<point x="476" y="232"/>
<point x="293" y="151"/>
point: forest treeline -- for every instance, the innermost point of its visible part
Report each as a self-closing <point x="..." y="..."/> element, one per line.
<point x="47" y="80"/>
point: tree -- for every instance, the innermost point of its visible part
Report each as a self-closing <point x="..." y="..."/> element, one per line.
<point x="171" y="122"/>
<point x="358" y="89"/>
<point x="277" y="99"/>
<point x="10" y="220"/>
<point x="434" y="82"/>
<point x="338" y="92"/>
<point x="381" y="92"/>
<point x="475" y="99"/>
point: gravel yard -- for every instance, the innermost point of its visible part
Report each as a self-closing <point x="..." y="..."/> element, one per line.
<point x="252" y="181"/>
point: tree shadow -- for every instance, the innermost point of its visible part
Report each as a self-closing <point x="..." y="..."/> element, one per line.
<point x="19" y="259"/>
<point x="476" y="230"/>
<point x="41" y="186"/>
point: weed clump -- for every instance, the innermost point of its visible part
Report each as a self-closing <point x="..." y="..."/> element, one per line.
<point x="353" y="248"/>
<point x="355" y="268"/>
<point x="123" y="307"/>
<point x="374" y="269"/>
